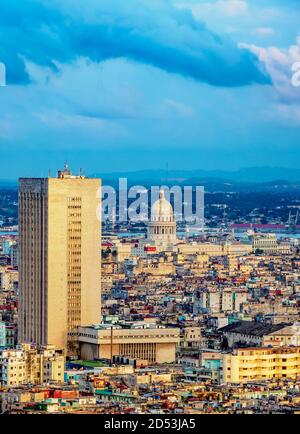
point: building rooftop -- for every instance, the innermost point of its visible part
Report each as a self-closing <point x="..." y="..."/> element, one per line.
<point x="252" y="328"/>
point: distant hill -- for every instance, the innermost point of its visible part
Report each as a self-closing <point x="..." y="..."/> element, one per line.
<point x="256" y="179"/>
<point x="245" y="175"/>
<point x="232" y="186"/>
<point x="248" y="179"/>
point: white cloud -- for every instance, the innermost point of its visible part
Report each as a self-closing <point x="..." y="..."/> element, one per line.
<point x="278" y="63"/>
<point x="285" y="107"/>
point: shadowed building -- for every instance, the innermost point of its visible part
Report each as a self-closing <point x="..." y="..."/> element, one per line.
<point x="156" y="344"/>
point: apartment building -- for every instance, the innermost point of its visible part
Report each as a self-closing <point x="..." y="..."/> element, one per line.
<point x="28" y="364"/>
<point x="213" y="300"/>
<point x="260" y="364"/>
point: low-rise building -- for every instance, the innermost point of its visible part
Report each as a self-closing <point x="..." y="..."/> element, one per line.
<point x="286" y="336"/>
<point x="151" y="343"/>
<point x="249" y="333"/>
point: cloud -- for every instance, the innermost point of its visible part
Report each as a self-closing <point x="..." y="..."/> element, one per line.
<point x="288" y="115"/>
<point x="178" y="109"/>
<point x="279" y="63"/>
<point x="286" y="96"/>
<point x="228" y="8"/>
<point x="263" y="31"/>
<point x="154" y="33"/>
<point x="232" y="7"/>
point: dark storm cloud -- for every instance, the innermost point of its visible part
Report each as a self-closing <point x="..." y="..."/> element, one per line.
<point x="153" y="33"/>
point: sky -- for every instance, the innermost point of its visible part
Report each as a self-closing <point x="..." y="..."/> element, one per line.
<point x="116" y="85"/>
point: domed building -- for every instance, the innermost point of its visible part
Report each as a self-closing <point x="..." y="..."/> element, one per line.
<point x="162" y="227"/>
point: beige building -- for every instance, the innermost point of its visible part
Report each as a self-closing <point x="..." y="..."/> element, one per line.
<point x="121" y="251"/>
<point x="158" y="267"/>
<point x="28" y="364"/>
<point x="155" y="344"/>
<point x="237" y="248"/>
<point x="60" y="262"/>
<point x="214" y="249"/>
<point x="257" y="364"/>
<point x="8" y="278"/>
<point x="209" y="249"/>
<point x="192" y="337"/>
<point x="286" y="336"/>
<point x="267" y="243"/>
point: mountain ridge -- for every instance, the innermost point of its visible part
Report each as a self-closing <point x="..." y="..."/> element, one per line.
<point x="251" y="174"/>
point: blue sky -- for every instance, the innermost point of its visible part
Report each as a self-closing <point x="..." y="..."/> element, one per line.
<point x="139" y="84"/>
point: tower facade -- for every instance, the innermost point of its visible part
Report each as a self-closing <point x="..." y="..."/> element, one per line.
<point x="60" y="261"/>
<point x="162" y="227"/>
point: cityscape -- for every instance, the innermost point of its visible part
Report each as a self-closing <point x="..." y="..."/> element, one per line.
<point x="145" y="316"/>
<point x="150" y="210"/>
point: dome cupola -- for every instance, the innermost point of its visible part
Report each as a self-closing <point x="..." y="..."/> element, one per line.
<point x="162" y="210"/>
<point x="162" y="227"/>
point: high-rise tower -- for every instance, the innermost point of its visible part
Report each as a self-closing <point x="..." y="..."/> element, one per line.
<point x="60" y="262"/>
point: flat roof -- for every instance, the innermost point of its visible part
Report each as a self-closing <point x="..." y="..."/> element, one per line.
<point x="252" y="328"/>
